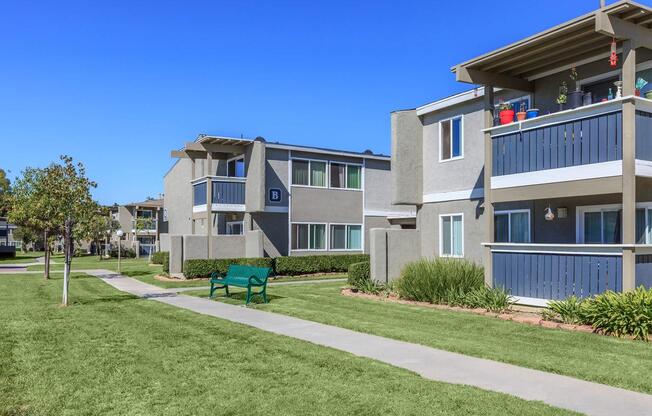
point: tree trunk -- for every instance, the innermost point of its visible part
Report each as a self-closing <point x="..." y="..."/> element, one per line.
<point x="46" y="246"/>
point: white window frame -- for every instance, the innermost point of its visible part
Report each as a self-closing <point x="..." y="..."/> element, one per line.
<point x="308" y="223"/>
<point x="441" y="142"/>
<point x="310" y="185"/>
<point x="346" y="175"/>
<point x="509" y="213"/>
<point x="441" y="235"/>
<point x="230" y="224"/>
<point x="347" y="225"/>
<point x="581" y="210"/>
<point x="236" y="158"/>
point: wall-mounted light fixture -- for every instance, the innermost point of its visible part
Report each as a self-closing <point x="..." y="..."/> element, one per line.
<point x="549" y="214"/>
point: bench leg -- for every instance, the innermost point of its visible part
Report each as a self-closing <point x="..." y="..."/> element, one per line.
<point x="226" y="287"/>
<point x="265" y="294"/>
<point x="210" y="296"/>
<point x="248" y="295"/>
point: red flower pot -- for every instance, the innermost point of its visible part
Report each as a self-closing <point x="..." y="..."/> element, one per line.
<point x="506" y="116"/>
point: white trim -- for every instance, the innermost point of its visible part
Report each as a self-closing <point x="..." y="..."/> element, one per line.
<point x="474" y="193"/>
<point x="393" y="214"/>
<point x="450" y="122"/>
<point x="289" y="189"/>
<point x="231" y="223"/>
<point x="364" y="202"/>
<point x="523" y="300"/>
<point x="509" y="213"/>
<point x="325" y="151"/>
<point x="572" y="173"/>
<point x="452" y="100"/>
<point x="277" y="209"/>
<point x="310" y="161"/>
<point x="308" y="223"/>
<point x="441" y="235"/>
<point x="205" y="178"/>
<point x="228" y="207"/>
<point x="346" y="175"/>
<point x="199" y="208"/>
<point x="644" y="168"/>
<point x="236" y="158"/>
<point x="346" y="229"/>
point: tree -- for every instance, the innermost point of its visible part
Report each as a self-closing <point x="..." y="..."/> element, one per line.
<point x="97" y="227"/>
<point x="26" y="236"/>
<point x="5" y="189"/>
<point x="33" y="206"/>
<point x="71" y="191"/>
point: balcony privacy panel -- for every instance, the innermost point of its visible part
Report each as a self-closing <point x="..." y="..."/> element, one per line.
<point x="644" y="271"/>
<point x="643" y="135"/>
<point x="593" y="139"/>
<point x="228" y="192"/>
<point x="557" y="276"/>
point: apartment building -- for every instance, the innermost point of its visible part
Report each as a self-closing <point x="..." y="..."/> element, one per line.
<point x="554" y="205"/>
<point x="229" y="197"/>
<point x="8" y="245"/>
<point x="142" y="223"/>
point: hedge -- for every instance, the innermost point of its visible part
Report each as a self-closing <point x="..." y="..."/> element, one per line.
<point x="198" y="268"/>
<point x="125" y="252"/>
<point x="159" y="257"/>
<point x="294" y="265"/>
<point x="358" y="274"/>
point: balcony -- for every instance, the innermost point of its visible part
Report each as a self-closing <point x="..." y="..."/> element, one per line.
<point x="583" y="143"/>
<point x="227" y="194"/>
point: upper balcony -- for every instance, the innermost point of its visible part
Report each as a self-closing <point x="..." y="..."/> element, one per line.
<point x="226" y="194"/>
<point x="577" y="144"/>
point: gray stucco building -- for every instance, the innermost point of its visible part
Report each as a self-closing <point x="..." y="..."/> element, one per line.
<point x="229" y="197"/>
<point x="553" y="205"/>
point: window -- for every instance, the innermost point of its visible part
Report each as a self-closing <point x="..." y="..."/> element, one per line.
<point x="234" y="227"/>
<point x="346" y="176"/>
<point x="451" y="236"/>
<point x="346" y="237"/>
<point x="309" y="173"/>
<point x="199" y="194"/>
<point x="600" y="225"/>
<point x="512" y="226"/>
<point x="308" y="236"/>
<point x="236" y="167"/>
<point x="644" y="225"/>
<point x="450" y="138"/>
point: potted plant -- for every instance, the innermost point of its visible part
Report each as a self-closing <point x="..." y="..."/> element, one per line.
<point x="574" y="98"/>
<point x="506" y="113"/>
<point x="562" y="98"/>
<point x="520" y="116"/>
<point x="531" y="113"/>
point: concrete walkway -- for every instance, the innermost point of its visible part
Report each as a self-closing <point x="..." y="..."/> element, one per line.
<point x="560" y="391"/>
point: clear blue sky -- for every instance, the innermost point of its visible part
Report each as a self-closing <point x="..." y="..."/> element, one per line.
<point x="118" y="85"/>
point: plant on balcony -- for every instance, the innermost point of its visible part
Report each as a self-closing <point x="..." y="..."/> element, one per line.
<point x="506" y="112"/>
<point x="575" y="97"/>
<point x="562" y="98"/>
<point x="520" y="116"/>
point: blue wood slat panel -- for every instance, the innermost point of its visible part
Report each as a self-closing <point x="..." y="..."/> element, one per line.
<point x="611" y="136"/>
<point x="577" y="143"/>
<point x="586" y="141"/>
<point x="553" y="147"/>
<point x="561" y="146"/>
<point x="525" y="137"/>
<point x="577" y="276"/>
<point x="602" y="139"/>
<point x="555" y="277"/>
<point x="546" y="148"/>
<point x="619" y="136"/>
<point x="593" y="141"/>
<point x="643" y="135"/>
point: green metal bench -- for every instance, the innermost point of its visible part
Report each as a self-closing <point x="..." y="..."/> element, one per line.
<point x="242" y="276"/>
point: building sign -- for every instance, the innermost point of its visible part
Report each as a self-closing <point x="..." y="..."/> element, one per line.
<point x="274" y="195"/>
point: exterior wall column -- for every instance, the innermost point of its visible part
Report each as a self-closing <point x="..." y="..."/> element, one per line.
<point x="488" y="202"/>
<point x="192" y="177"/>
<point x="209" y="204"/>
<point x="629" y="165"/>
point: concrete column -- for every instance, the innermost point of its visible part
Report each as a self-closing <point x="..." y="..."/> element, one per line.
<point x="488" y="202"/>
<point x="629" y="165"/>
<point x="209" y="204"/>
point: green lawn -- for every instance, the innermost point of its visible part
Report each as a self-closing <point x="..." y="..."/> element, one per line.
<point x="606" y="360"/>
<point x="113" y="354"/>
<point x="28" y="257"/>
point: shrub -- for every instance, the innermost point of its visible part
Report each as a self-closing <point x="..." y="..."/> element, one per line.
<point x="198" y="268"/>
<point x="294" y="265"/>
<point x="569" y="311"/>
<point x="125" y="252"/>
<point x="620" y="314"/>
<point x="439" y="280"/>
<point x="491" y="299"/>
<point x="358" y="274"/>
<point x="159" y="257"/>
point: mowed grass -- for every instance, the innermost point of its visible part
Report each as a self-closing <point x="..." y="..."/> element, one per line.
<point x="21" y="258"/>
<point x="113" y="354"/>
<point x="607" y="360"/>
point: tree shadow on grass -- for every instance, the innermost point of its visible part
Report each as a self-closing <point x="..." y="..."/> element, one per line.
<point x="242" y="296"/>
<point x="119" y="297"/>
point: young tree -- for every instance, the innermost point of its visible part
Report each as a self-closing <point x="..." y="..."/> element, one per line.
<point x="71" y="191"/>
<point x="33" y="206"/>
<point x="97" y="227"/>
<point x="26" y="236"/>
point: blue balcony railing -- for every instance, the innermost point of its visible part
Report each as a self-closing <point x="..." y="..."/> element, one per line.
<point x="228" y="192"/>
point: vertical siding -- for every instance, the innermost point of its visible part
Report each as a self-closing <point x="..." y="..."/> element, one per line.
<point x="643" y="135"/>
<point x="228" y="192"/>
<point x="556" y="276"/>
<point x="591" y="140"/>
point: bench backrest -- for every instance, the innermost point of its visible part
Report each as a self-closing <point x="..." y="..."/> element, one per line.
<point x="240" y="270"/>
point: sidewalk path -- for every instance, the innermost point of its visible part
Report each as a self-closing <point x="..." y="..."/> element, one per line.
<point x="560" y="391"/>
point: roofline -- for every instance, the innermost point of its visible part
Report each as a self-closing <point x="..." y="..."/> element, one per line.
<point x="327" y="151"/>
<point x="578" y="20"/>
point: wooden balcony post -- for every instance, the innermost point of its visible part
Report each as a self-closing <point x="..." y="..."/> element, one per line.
<point x="488" y="202"/>
<point x="629" y="165"/>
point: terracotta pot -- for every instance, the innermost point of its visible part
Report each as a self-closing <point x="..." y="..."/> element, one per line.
<point x="520" y="116"/>
<point x="506" y="116"/>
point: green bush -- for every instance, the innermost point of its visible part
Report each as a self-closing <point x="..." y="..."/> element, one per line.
<point x="199" y="268"/>
<point x="358" y="274"/>
<point x="160" y="257"/>
<point x="125" y="252"/>
<point x="295" y="265"/>
<point x="491" y="299"/>
<point x="569" y="310"/>
<point x="621" y="314"/>
<point x="439" y="280"/>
